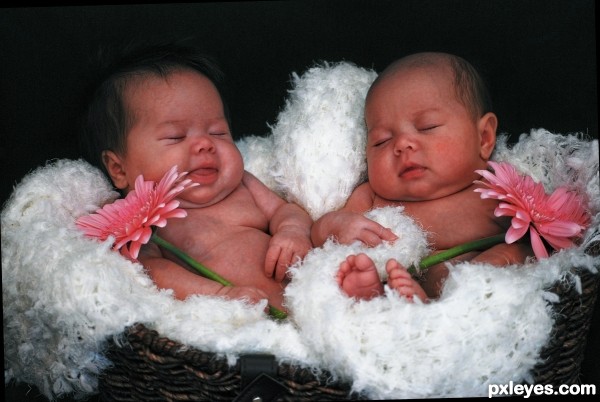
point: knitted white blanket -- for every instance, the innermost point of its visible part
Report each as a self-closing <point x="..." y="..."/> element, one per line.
<point x="64" y="295"/>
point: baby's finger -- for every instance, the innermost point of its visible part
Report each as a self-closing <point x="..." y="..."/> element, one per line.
<point x="375" y="234"/>
<point x="283" y="262"/>
<point x="383" y="233"/>
<point x="370" y="238"/>
<point x="271" y="260"/>
<point x="388" y="235"/>
<point x="295" y="259"/>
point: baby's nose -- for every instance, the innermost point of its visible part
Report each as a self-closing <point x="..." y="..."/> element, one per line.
<point x="403" y="143"/>
<point x="204" y="143"/>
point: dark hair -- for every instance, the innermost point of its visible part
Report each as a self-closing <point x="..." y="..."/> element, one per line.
<point x="107" y="120"/>
<point x="469" y="85"/>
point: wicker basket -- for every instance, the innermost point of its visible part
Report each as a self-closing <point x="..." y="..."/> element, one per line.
<point x="564" y="353"/>
<point x="154" y="368"/>
<point x="148" y="367"/>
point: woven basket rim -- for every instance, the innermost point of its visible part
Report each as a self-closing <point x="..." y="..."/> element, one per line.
<point x="171" y="363"/>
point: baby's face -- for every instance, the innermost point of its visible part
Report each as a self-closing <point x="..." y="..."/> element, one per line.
<point x="180" y="121"/>
<point x="422" y="143"/>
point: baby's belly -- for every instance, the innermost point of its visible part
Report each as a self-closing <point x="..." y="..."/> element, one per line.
<point x="241" y="254"/>
<point x="239" y="257"/>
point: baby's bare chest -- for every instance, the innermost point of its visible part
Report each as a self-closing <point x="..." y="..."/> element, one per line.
<point x="450" y="222"/>
<point x="235" y="221"/>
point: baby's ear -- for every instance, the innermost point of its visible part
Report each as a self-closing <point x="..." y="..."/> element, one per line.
<point x="486" y="127"/>
<point x="115" y="169"/>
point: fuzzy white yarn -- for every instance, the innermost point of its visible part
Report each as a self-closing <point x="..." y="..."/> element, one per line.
<point x="255" y="151"/>
<point x="65" y="295"/>
<point x="320" y="137"/>
<point x="488" y="326"/>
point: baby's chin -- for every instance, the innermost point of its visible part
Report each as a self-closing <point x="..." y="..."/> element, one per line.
<point x="460" y="189"/>
<point x="197" y="197"/>
<point x="421" y="196"/>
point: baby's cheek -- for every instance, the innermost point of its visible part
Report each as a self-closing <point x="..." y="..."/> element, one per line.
<point x="447" y="149"/>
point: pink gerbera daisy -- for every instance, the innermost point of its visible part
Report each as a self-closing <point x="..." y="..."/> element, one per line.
<point x="129" y="220"/>
<point x="559" y="218"/>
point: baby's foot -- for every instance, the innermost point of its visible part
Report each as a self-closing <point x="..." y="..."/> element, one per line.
<point x="358" y="277"/>
<point x="401" y="280"/>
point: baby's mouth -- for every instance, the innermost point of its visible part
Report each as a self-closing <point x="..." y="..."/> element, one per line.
<point x="205" y="175"/>
<point x="411" y="171"/>
<point x="205" y="171"/>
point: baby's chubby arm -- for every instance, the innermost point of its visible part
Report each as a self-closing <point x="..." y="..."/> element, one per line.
<point x="167" y="274"/>
<point x="505" y="254"/>
<point x="289" y="226"/>
<point x="499" y="255"/>
<point x="349" y="224"/>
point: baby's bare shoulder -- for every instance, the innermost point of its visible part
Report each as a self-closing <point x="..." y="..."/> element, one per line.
<point x="362" y="199"/>
<point x="238" y="210"/>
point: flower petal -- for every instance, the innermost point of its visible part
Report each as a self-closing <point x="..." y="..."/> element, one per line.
<point x="539" y="249"/>
<point x="557" y="218"/>
<point x="515" y="233"/>
<point x="129" y="219"/>
<point x="559" y="228"/>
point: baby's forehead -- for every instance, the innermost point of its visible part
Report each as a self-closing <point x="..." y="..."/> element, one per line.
<point x="394" y="78"/>
<point x="144" y="78"/>
<point x="139" y="82"/>
<point x="441" y="69"/>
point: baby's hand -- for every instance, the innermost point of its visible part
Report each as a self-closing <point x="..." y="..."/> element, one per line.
<point x="252" y="294"/>
<point x="350" y="226"/>
<point x="287" y="246"/>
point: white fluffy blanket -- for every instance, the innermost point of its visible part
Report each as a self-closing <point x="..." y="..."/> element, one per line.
<point x="65" y="295"/>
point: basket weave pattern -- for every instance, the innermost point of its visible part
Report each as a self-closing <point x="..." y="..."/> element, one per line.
<point x="149" y="367"/>
<point x="154" y="368"/>
<point x="564" y="353"/>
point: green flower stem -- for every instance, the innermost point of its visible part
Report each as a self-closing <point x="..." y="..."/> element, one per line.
<point x="481" y="244"/>
<point x="204" y="271"/>
<point x="276" y="313"/>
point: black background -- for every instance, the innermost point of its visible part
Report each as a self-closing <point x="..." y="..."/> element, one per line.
<point x="538" y="55"/>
